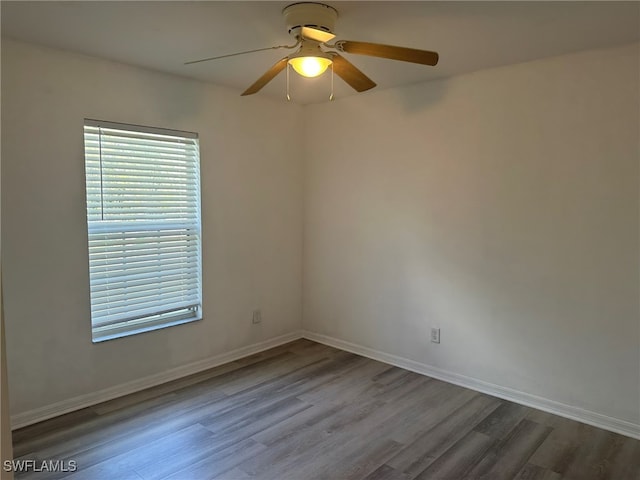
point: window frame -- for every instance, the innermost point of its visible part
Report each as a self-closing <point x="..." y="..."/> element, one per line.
<point x="160" y="319"/>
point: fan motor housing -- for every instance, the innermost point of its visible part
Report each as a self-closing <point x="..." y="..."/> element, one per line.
<point x="309" y="14"/>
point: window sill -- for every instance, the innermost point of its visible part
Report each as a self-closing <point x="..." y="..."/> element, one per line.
<point x="128" y="331"/>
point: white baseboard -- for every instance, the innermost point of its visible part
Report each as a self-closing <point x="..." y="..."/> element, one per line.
<point x="60" y="408"/>
<point x="605" y="422"/>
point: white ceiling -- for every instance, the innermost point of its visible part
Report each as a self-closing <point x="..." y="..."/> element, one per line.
<point x="468" y="36"/>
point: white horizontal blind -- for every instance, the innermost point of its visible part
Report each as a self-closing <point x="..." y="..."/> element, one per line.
<point x="143" y="213"/>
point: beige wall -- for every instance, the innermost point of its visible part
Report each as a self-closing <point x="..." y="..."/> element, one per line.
<point x="500" y="206"/>
<point x="251" y="220"/>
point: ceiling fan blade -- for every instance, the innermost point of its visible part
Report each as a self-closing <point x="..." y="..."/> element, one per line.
<point x="413" y="55"/>
<point x="266" y="77"/>
<point x="350" y="74"/>
<point x="242" y="53"/>
<point x="316" y="34"/>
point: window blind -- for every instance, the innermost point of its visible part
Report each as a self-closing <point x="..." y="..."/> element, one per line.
<point x="143" y="216"/>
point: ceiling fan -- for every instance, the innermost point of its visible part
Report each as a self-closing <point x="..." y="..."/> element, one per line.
<point x="312" y="25"/>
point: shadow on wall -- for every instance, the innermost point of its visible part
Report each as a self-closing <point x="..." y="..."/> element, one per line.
<point x="420" y="96"/>
<point x="170" y="108"/>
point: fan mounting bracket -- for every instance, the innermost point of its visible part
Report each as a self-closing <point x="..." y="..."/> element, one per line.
<point x="309" y="14"/>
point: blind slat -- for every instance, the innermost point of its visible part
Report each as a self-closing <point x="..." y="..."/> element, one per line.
<point x="108" y="258"/>
<point x="153" y="163"/>
<point x="118" y="319"/>
<point x="113" y="286"/>
<point x="141" y="303"/>
<point x="130" y="291"/>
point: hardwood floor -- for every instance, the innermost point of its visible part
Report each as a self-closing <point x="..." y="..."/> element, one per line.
<point x="307" y="411"/>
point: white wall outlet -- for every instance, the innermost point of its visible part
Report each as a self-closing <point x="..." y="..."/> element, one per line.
<point x="435" y="335"/>
<point x="257" y="317"/>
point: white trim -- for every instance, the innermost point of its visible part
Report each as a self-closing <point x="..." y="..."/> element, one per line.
<point x="65" y="406"/>
<point x="605" y="422"/>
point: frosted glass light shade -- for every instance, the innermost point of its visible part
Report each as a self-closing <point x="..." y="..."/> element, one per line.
<point x="310" y="66"/>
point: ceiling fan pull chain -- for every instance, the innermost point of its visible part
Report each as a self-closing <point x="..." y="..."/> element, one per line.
<point x="331" y="96"/>
<point x="288" y="96"/>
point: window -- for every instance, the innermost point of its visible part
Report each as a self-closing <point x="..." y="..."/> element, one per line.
<point x="143" y="217"/>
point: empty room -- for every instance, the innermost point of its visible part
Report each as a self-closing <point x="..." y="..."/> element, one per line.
<point x="359" y="240"/>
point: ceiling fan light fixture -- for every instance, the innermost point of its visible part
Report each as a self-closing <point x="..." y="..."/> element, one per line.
<point x="310" y="66"/>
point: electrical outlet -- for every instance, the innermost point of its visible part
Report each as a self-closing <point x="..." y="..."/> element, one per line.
<point x="435" y="335"/>
<point x="257" y="317"/>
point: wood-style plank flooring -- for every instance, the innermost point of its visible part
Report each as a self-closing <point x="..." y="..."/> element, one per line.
<point x="307" y="411"/>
